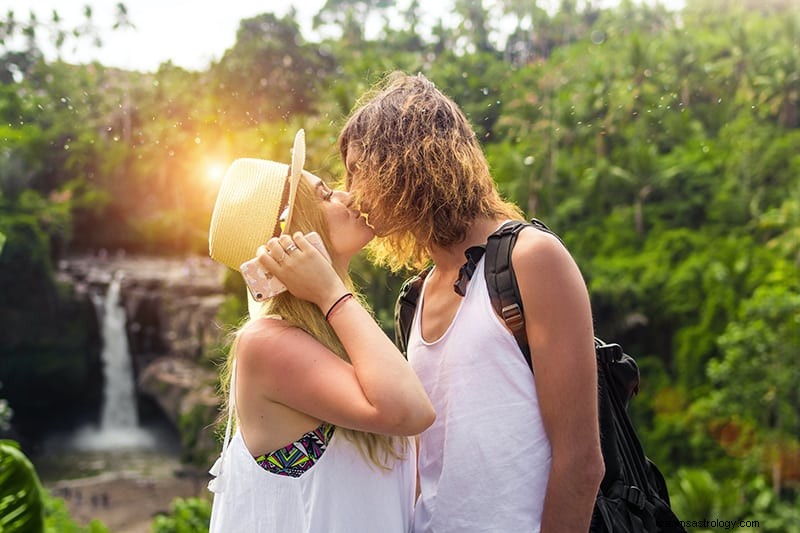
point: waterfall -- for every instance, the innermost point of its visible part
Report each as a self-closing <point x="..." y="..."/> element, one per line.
<point x="119" y="422"/>
<point x="119" y="394"/>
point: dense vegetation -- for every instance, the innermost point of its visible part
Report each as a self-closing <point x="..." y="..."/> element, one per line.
<point x="662" y="146"/>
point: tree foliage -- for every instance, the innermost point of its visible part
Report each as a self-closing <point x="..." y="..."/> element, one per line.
<point x="187" y="515"/>
<point x="662" y="147"/>
<point x="21" y="506"/>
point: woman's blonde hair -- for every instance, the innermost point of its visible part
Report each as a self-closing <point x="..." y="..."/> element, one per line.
<point x="309" y="216"/>
<point x="416" y="167"/>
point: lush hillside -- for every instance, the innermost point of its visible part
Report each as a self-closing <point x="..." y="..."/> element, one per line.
<point x="664" y="148"/>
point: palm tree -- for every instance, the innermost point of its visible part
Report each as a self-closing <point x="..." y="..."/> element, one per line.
<point x="21" y="504"/>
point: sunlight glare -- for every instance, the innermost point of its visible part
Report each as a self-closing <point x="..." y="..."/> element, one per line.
<point x="215" y="171"/>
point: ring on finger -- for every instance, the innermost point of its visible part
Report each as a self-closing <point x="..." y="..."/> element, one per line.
<point x="291" y="248"/>
<point x="277" y="259"/>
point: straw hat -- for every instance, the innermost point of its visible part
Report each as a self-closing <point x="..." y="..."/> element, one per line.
<point x="249" y="203"/>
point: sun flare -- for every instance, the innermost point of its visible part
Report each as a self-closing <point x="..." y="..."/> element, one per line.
<point x="215" y="171"/>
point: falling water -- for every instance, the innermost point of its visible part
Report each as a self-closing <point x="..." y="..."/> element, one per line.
<point x="119" y="396"/>
<point x="119" y="424"/>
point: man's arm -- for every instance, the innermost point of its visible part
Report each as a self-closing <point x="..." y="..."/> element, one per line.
<point x="560" y="334"/>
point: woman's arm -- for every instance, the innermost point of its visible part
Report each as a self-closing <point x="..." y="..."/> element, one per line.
<point x="378" y="392"/>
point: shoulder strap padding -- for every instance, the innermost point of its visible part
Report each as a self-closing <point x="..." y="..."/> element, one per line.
<point x="501" y="281"/>
<point x="405" y="308"/>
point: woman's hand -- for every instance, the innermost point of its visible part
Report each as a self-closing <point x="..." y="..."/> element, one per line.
<point x="307" y="274"/>
<point x="376" y="391"/>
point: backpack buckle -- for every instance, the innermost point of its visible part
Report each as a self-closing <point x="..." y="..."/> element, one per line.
<point x="508" y="228"/>
<point x="512" y="315"/>
<point x="539" y="224"/>
<point x="634" y="495"/>
<point x="609" y="353"/>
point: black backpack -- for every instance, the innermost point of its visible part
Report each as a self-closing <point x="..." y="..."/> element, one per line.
<point x="633" y="495"/>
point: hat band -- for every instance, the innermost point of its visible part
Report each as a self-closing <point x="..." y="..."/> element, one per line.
<point x="284" y="207"/>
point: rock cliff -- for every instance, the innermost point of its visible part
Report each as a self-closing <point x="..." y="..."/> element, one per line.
<point x="171" y="305"/>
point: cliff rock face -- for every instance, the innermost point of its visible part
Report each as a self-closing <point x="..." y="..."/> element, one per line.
<point x="50" y="368"/>
<point x="185" y="392"/>
<point x="171" y="305"/>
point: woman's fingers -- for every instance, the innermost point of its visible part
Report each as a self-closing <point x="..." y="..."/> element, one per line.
<point x="271" y="255"/>
<point x="300" y="241"/>
<point x="289" y="245"/>
<point x="297" y="264"/>
<point x="278" y="249"/>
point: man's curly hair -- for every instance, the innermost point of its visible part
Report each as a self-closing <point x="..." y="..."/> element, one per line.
<point x="417" y="169"/>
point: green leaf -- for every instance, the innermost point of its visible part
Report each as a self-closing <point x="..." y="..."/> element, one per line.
<point x="21" y="507"/>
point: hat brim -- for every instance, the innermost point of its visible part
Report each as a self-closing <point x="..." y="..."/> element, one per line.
<point x="249" y="202"/>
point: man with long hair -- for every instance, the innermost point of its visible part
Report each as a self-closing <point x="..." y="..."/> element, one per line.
<point x="508" y="451"/>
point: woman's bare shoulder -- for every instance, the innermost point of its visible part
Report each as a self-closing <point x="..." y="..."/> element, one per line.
<point x="263" y="327"/>
<point x="267" y="339"/>
<point x="275" y="343"/>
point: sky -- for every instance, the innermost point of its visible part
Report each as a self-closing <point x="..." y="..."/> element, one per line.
<point x="190" y="33"/>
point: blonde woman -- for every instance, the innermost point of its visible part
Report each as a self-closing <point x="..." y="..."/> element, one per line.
<point x="322" y="400"/>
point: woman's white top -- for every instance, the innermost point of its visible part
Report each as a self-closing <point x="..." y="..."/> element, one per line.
<point x="485" y="461"/>
<point x="342" y="493"/>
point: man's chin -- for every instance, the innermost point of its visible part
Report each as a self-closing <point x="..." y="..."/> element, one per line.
<point x="372" y="227"/>
<point x="379" y="231"/>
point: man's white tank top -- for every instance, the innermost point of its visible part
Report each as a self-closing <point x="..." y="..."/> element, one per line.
<point x="341" y="493"/>
<point x="485" y="461"/>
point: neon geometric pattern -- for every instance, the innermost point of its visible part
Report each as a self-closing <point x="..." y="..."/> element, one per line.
<point x="298" y="457"/>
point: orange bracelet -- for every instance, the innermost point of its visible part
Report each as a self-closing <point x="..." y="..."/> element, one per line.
<point x="335" y="305"/>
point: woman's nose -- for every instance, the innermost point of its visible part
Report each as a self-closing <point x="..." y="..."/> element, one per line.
<point x="345" y="198"/>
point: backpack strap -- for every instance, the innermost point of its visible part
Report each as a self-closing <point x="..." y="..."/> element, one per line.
<point x="501" y="282"/>
<point x="405" y="308"/>
<point x="406" y="304"/>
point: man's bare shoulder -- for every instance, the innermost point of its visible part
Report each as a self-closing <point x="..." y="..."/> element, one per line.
<point x="539" y="251"/>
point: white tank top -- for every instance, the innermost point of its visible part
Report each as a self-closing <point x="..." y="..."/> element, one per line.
<point x="341" y="493"/>
<point x="485" y="461"/>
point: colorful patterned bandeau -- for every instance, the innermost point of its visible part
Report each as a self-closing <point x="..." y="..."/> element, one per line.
<point x="298" y="457"/>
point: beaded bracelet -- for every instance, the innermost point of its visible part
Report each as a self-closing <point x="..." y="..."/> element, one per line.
<point x="341" y="299"/>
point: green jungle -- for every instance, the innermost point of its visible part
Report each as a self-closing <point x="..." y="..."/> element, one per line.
<point x="663" y="147"/>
